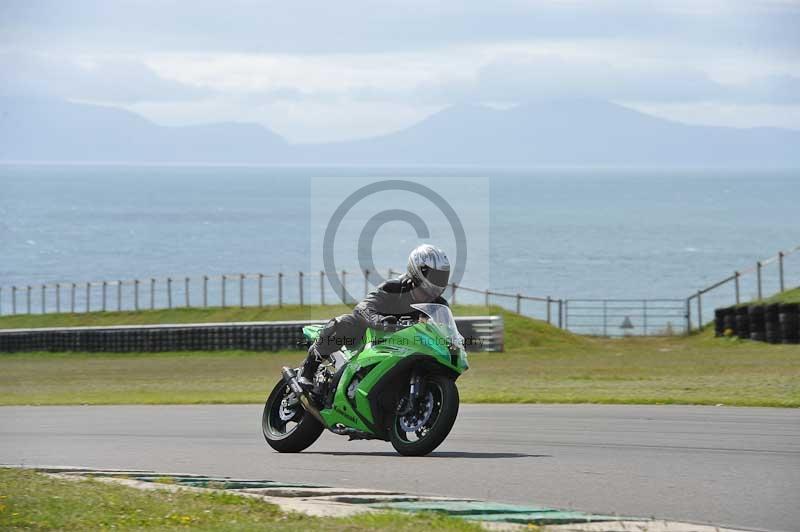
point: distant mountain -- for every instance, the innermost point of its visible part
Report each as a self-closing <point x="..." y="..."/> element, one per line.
<point x="554" y="133"/>
<point x="54" y="130"/>
<point x="566" y="133"/>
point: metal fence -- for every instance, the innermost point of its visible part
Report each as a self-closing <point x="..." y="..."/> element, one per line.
<point x="626" y="317"/>
<point x="236" y="290"/>
<point x="586" y="316"/>
<point x="765" y="277"/>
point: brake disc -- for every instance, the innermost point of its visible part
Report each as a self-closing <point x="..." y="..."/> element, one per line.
<point x="417" y="419"/>
<point x="288" y="409"/>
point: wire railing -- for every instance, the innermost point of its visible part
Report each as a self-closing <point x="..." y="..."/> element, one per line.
<point x="235" y="290"/>
<point x="751" y="283"/>
<point x="585" y="316"/>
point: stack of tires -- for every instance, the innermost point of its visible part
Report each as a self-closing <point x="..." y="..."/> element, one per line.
<point x="742" y="323"/>
<point x="789" y="321"/>
<point x="729" y="320"/>
<point x="719" y="320"/>
<point x="774" y="323"/>
<point x="757" y="330"/>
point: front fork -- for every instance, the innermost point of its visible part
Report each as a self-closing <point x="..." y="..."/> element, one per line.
<point x="290" y="378"/>
<point x="416" y="390"/>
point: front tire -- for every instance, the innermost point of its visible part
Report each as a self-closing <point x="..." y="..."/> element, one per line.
<point x="443" y="393"/>
<point x="288" y="429"/>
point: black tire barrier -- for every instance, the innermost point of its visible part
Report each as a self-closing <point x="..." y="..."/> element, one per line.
<point x="481" y="333"/>
<point x="719" y="321"/>
<point x="729" y="320"/>
<point x="789" y="320"/>
<point x="757" y="328"/>
<point x="742" y="323"/>
<point x="772" y="327"/>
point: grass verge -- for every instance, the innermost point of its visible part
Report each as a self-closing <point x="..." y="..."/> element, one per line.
<point x="174" y="315"/>
<point x="32" y="501"/>
<point x="541" y="364"/>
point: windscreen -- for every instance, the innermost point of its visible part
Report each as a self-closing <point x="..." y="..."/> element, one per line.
<point x="440" y="317"/>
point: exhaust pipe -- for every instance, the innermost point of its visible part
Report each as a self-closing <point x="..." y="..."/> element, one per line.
<point x="290" y="378"/>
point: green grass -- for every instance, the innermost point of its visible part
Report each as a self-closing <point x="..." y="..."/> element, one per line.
<point x="175" y="315"/>
<point x="788" y="296"/>
<point x="32" y="501"/>
<point x="542" y="364"/>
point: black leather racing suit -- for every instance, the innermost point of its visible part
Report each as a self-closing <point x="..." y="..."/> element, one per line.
<point x="392" y="298"/>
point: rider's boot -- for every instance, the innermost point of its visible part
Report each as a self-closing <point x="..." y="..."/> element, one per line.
<point x="309" y="369"/>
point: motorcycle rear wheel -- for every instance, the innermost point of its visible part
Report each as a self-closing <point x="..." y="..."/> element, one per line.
<point x="443" y="393"/>
<point x="291" y="435"/>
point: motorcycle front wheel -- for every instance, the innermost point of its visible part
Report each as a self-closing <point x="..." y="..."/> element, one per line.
<point x="419" y="432"/>
<point x="287" y="427"/>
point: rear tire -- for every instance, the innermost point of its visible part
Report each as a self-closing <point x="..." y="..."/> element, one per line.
<point x="288" y="436"/>
<point x="446" y="401"/>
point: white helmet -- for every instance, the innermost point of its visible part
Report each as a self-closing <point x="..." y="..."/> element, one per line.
<point x="429" y="269"/>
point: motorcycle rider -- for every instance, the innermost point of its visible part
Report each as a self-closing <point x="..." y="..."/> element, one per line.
<point x="425" y="280"/>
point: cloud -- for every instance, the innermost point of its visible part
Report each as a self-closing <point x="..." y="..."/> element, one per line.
<point x="524" y="78"/>
<point x="112" y="80"/>
<point x="313" y="26"/>
<point x="474" y="75"/>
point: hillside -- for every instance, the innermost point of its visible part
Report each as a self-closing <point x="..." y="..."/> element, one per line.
<point x="54" y="130"/>
<point x="569" y="132"/>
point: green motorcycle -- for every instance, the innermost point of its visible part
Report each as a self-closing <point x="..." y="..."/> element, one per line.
<point x="398" y="387"/>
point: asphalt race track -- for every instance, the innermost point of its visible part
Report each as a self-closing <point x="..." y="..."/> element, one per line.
<point x="737" y="467"/>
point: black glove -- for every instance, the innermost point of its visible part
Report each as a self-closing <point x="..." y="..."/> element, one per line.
<point x="389" y="324"/>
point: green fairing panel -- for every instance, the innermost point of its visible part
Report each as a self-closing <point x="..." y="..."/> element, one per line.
<point x="383" y="351"/>
<point x="311" y="332"/>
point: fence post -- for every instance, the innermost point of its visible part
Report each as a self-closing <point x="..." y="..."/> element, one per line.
<point x="44" y="308"/>
<point x="688" y="315"/>
<point x="736" y="285"/>
<point x="519" y="302"/>
<point x="103" y="290"/>
<point x="280" y="289"/>
<point x="58" y="298"/>
<point x="72" y="299"/>
<point x="700" y="309"/>
<point x="566" y="314"/>
<point x="260" y="289"/>
<point x="186" y="292"/>
<point x="560" y="313"/>
<point x="322" y="287"/>
<point x="548" y="310"/>
<point x="88" y="297"/>
<point x="486" y="298"/>
<point x="152" y="293"/>
<point x="13" y="299"/>
<point x="169" y="292"/>
<point x="241" y="290"/>
<point x="453" y="287"/>
<point x="119" y="295"/>
<point x="605" y="318"/>
<point x="366" y="282"/>
<point x="300" y="283"/>
<point x="758" y="273"/>
<point x="136" y="294"/>
<point x="28" y="300"/>
<point x="780" y="269"/>
<point x="344" y="287"/>
<point x="644" y="309"/>
<point x="205" y="291"/>
<point x="223" y="290"/>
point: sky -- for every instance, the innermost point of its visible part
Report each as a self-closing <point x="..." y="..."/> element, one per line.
<point x="317" y="71"/>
